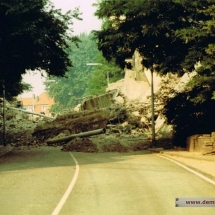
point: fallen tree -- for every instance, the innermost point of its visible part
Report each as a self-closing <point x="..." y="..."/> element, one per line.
<point x="82" y="134"/>
<point x="73" y="123"/>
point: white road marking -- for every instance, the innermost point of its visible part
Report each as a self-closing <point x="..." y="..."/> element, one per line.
<point x="190" y="170"/>
<point x="69" y="189"/>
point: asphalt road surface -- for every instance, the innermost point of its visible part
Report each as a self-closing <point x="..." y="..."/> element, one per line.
<point x="46" y="181"/>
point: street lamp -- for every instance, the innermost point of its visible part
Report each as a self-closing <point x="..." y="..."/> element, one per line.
<point x="50" y="81"/>
<point x="94" y="64"/>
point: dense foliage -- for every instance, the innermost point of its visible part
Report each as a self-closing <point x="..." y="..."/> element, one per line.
<point x="102" y="75"/>
<point x="34" y="36"/>
<point x="201" y="37"/>
<point x="189" y="118"/>
<point x="82" y="79"/>
<point x="149" y="27"/>
<point x="192" y="112"/>
<point x="172" y="36"/>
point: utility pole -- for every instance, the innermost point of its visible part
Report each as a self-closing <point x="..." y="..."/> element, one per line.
<point x="3" y="133"/>
<point x="152" y="108"/>
<point x="108" y="80"/>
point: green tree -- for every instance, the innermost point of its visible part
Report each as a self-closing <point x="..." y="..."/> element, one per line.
<point x="191" y="112"/>
<point x="103" y="74"/>
<point x="34" y="36"/>
<point x="146" y="26"/>
<point x="200" y="35"/>
<point x="149" y="27"/>
<point x="67" y="89"/>
<point x="172" y="36"/>
<point x="82" y="79"/>
<point x="189" y="118"/>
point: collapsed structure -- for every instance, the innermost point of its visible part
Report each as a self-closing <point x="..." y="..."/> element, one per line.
<point x="123" y="111"/>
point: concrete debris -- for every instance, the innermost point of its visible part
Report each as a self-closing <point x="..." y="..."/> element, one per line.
<point x="125" y="119"/>
<point x="201" y="143"/>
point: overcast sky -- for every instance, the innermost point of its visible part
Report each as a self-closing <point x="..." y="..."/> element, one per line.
<point x="89" y="23"/>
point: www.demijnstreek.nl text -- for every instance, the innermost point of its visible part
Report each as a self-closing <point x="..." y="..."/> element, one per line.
<point x="200" y="202"/>
<point x="195" y="202"/>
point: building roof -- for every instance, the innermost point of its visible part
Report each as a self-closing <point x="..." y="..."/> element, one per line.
<point x="27" y="101"/>
<point x="42" y="99"/>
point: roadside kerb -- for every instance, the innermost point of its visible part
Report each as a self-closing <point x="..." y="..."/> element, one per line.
<point x="204" y="164"/>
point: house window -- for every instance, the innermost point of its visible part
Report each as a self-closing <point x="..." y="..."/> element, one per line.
<point x="44" y="107"/>
<point x="29" y="108"/>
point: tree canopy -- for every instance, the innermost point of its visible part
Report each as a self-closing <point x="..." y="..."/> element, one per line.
<point x="201" y="37"/>
<point x="191" y="112"/>
<point x="172" y="36"/>
<point x="34" y="36"/>
<point x="149" y="27"/>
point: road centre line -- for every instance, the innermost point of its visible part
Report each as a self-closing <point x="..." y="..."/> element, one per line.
<point x="189" y="169"/>
<point x="69" y="189"/>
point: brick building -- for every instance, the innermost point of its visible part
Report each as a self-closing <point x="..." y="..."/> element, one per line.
<point x="38" y="104"/>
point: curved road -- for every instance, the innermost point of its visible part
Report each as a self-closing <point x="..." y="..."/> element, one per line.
<point x="34" y="181"/>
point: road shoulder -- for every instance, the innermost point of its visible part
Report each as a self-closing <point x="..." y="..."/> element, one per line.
<point x="200" y="163"/>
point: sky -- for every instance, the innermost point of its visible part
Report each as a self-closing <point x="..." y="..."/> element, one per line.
<point x="89" y="23"/>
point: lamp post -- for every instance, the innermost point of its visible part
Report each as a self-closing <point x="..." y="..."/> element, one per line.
<point x="50" y="81"/>
<point x="152" y="109"/>
<point x="3" y="133"/>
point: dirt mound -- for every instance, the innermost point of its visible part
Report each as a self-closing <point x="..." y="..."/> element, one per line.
<point x="140" y="146"/>
<point x="114" y="147"/>
<point x="88" y="145"/>
<point x="80" y="145"/>
<point x="106" y="143"/>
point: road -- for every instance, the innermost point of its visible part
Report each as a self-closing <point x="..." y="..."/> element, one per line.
<point x="32" y="182"/>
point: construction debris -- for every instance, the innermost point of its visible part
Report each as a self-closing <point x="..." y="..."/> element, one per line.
<point x="19" y="126"/>
<point x="123" y="112"/>
<point x="82" y="134"/>
<point x="201" y="143"/>
<point x="115" y="113"/>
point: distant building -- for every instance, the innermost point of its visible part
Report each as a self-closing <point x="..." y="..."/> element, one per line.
<point x="38" y="104"/>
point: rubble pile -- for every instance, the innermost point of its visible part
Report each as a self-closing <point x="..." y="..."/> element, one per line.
<point x="127" y="123"/>
<point x="107" y="143"/>
<point x="75" y="122"/>
<point x="19" y="126"/>
<point x="137" y="117"/>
